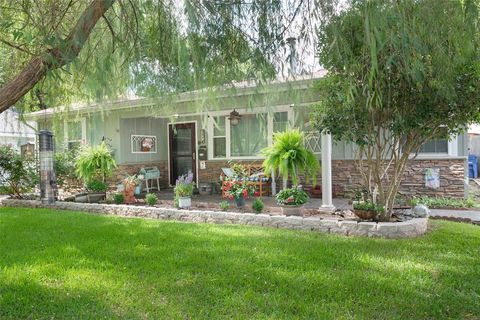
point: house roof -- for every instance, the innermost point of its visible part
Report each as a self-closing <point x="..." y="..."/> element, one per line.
<point x="241" y="88"/>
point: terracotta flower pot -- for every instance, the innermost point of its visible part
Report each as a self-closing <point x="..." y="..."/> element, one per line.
<point x="316" y="191"/>
<point x="129" y="194"/>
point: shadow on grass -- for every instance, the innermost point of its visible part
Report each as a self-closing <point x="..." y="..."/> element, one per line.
<point x="151" y="268"/>
<point x="30" y="300"/>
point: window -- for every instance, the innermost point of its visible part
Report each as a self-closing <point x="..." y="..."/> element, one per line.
<point x="280" y="121"/>
<point x="143" y="144"/>
<point x="249" y="136"/>
<point x="219" y="138"/>
<point x="436" y="146"/>
<point x="245" y="140"/>
<point x="74" y="134"/>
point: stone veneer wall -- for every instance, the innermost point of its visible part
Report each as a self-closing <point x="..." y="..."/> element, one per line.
<point x="345" y="177"/>
<point x="452" y="177"/>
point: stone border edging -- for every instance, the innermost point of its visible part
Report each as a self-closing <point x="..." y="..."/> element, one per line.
<point x="390" y="230"/>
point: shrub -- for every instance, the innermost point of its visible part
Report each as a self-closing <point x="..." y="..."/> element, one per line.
<point x="96" y="186"/>
<point x="151" y="199"/>
<point x="118" y="198"/>
<point x="368" y="206"/>
<point x="443" y="202"/>
<point x="65" y="166"/>
<point x="18" y="174"/>
<point x="258" y="205"/>
<point x="224" y="206"/>
<point x="294" y="196"/>
<point x="95" y="163"/>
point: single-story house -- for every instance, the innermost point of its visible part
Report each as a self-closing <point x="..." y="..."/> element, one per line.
<point x="195" y="131"/>
<point x="14" y="132"/>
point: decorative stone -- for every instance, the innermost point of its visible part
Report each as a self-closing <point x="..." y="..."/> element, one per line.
<point x="421" y="211"/>
<point x="329" y="226"/>
<point x="348" y="226"/>
<point x="293" y="222"/>
<point x="364" y="229"/>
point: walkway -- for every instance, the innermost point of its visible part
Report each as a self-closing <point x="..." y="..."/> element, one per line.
<point x="460" y="215"/>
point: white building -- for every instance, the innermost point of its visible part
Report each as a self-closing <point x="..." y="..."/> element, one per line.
<point x="15" y="132"/>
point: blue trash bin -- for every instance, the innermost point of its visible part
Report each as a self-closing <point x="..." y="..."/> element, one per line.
<point x="472" y="166"/>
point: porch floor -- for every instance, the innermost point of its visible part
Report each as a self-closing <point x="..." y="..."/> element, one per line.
<point x="270" y="202"/>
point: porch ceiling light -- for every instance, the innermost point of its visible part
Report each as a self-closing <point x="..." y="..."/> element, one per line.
<point x="234" y="117"/>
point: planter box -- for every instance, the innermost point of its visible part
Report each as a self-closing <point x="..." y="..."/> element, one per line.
<point x="184" y="202"/>
<point x="292" y="210"/>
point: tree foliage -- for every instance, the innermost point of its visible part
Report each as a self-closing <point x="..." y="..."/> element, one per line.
<point x="400" y="73"/>
<point x="151" y="47"/>
<point x="17" y="173"/>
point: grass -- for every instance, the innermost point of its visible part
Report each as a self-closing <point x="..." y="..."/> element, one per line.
<point x="56" y="264"/>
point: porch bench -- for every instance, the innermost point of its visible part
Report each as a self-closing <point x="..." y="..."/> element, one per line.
<point x="255" y="177"/>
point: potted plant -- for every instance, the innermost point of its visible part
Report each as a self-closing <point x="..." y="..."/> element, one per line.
<point x="184" y="190"/>
<point x="289" y="157"/>
<point x="316" y="191"/>
<point x="367" y="210"/>
<point x="94" y="165"/>
<point x="237" y="189"/>
<point x="96" y="191"/>
<point x="129" y="185"/>
<point x="292" y="200"/>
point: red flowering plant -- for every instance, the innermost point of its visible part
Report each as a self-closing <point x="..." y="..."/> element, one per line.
<point x="292" y="197"/>
<point x="235" y="189"/>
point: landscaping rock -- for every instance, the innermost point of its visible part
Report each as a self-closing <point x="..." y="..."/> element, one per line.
<point x="364" y="229"/>
<point x="420" y="211"/>
<point x="348" y="227"/>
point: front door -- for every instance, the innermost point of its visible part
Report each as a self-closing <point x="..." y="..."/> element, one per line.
<point x="182" y="146"/>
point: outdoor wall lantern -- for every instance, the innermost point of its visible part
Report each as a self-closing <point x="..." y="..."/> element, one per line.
<point x="234" y="117"/>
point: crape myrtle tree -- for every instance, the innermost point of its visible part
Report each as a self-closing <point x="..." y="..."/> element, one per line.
<point x="399" y="73"/>
<point x="55" y="52"/>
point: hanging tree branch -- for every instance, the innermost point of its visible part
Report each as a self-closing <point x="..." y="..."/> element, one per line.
<point x="55" y="57"/>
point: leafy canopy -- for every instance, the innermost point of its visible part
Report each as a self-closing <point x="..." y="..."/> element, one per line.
<point x="405" y="66"/>
<point x="400" y="73"/>
<point x="152" y="47"/>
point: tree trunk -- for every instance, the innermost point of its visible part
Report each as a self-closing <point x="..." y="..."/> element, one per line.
<point x="53" y="58"/>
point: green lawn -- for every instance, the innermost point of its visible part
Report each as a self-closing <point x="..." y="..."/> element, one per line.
<point x="56" y="264"/>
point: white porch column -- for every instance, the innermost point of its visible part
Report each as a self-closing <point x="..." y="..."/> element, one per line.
<point x="327" y="201"/>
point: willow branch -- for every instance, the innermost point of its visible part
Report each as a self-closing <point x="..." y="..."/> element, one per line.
<point x="53" y="58"/>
